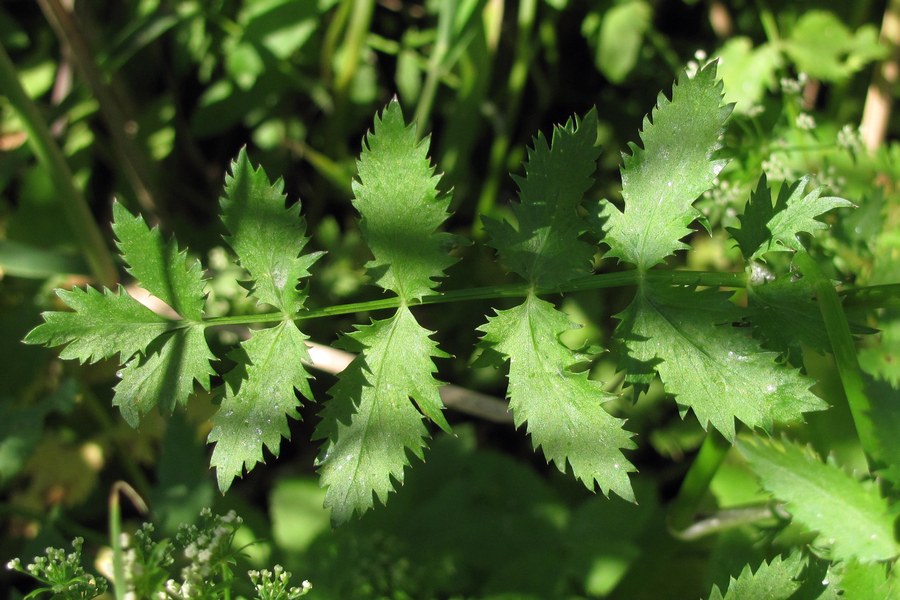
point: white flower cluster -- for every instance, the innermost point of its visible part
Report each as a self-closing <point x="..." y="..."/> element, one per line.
<point x="776" y="169"/>
<point x="850" y="138"/>
<point x="205" y="547"/>
<point x="275" y="584"/>
<point x="724" y="196"/>
<point x="62" y="572"/>
<point x="793" y="87"/>
<point x="805" y="121"/>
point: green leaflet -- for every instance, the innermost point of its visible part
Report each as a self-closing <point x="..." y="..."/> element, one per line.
<point x="396" y="195"/>
<point x="544" y="247"/>
<point x="563" y="409"/>
<point x="258" y="399"/>
<point x="772" y="228"/>
<point x="661" y="180"/>
<point x="165" y="376"/>
<point x="370" y="423"/>
<point x="103" y="325"/>
<point x="266" y="236"/>
<point x="776" y="580"/>
<point x="785" y="316"/>
<point x="162" y="269"/>
<point x="712" y="367"/>
<point x="850" y="516"/>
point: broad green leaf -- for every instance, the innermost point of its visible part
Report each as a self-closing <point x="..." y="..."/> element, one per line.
<point x="747" y="71"/>
<point x="101" y="326"/>
<point x="822" y="46"/>
<point x="396" y="194"/>
<point x="621" y="38"/>
<point x="715" y="369"/>
<point x="785" y="316"/>
<point x="563" y="410"/>
<point x="370" y="422"/>
<point x="868" y="580"/>
<point x="776" y="580"/>
<point x="849" y="515"/>
<point x="160" y="268"/>
<point x="266" y="236"/>
<point x="661" y="180"/>
<point x="543" y="246"/>
<point x="258" y="399"/>
<point x="885" y="416"/>
<point x="164" y="376"/>
<point x="772" y="228"/>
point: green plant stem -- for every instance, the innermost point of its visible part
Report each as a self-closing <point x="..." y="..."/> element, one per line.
<point x="435" y="64"/>
<point x="518" y="75"/>
<point x="135" y="164"/>
<point x="844" y="351"/>
<point x="873" y="296"/>
<point x="48" y="153"/>
<point x="592" y="282"/>
<point x="696" y="482"/>
<point x="115" y="532"/>
<point x="357" y="29"/>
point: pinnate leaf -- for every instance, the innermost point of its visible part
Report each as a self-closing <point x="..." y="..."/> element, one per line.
<point x="715" y="369"/>
<point x="164" y="376"/>
<point x="258" y="399"/>
<point x="775" y="580"/>
<point x="563" y="409"/>
<point x="396" y="194"/>
<point x="543" y="247"/>
<point x="849" y="515"/>
<point x="160" y="268"/>
<point x="677" y="163"/>
<point x="267" y="237"/>
<point x="370" y="423"/>
<point x="767" y="227"/>
<point x="102" y="325"/>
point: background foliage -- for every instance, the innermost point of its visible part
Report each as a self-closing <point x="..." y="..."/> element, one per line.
<point x="150" y="101"/>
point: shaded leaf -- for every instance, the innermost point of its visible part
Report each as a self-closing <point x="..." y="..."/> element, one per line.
<point x="563" y="410"/>
<point x="370" y="422"/>
<point x="849" y="515"/>
<point x="259" y="398"/>
<point x="543" y="245"/>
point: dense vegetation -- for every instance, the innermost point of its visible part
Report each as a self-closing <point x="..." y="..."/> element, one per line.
<point x="658" y="361"/>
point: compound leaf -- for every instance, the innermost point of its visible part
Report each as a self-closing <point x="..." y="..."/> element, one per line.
<point x="164" y="376"/>
<point x="772" y="228"/>
<point x="160" y="268"/>
<point x="776" y="580"/>
<point x="101" y="326"/>
<point x="849" y="515"/>
<point x="396" y="194"/>
<point x="563" y="409"/>
<point x="661" y="180"/>
<point x="370" y="423"/>
<point x="267" y="236"/>
<point x="543" y="247"/>
<point x="715" y="369"/>
<point x="258" y="399"/>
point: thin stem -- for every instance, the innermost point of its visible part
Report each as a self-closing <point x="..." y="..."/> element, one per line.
<point x="696" y="482"/>
<point x="115" y="532"/>
<point x="844" y="350"/>
<point x="435" y="64"/>
<point x="518" y="75"/>
<point x="360" y="19"/>
<point x="592" y="282"/>
<point x="48" y="153"/>
<point x="134" y="162"/>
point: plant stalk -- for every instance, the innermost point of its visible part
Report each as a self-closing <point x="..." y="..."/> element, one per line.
<point x="696" y="482"/>
<point x="592" y="282"/>
<point x="74" y="206"/>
